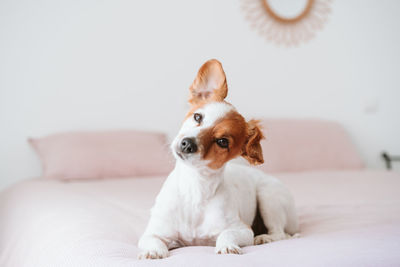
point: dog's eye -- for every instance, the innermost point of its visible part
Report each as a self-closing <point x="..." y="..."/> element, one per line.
<point x="222" y="142"/>
<point x="198" y="117"/>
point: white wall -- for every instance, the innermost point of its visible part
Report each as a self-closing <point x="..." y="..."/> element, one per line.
<point x="72" y="65"/>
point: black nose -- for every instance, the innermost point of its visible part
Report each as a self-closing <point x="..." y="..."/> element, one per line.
<point x="188" y="145"/>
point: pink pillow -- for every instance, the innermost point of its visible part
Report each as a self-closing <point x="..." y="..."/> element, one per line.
<point x="301" y="145"/>
<point x="88" y="155"/>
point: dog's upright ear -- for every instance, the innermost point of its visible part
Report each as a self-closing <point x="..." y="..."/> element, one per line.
<point x="252" y="150"/>
<point x="209" y="84"/>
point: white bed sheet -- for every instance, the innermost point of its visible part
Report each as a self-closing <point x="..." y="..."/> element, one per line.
<point x="348" y="218"/>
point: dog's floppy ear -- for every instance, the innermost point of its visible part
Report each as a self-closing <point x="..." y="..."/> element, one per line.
<point x="252" y="150"/>
<point x="210" y="83"/>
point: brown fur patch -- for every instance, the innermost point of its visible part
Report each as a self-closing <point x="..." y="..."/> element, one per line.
<point x="232" y="127"/>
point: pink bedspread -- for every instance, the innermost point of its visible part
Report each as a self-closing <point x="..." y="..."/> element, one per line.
<point x="349" y="218"/>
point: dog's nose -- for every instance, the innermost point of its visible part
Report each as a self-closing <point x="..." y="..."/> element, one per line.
<point x="188" y="145"/>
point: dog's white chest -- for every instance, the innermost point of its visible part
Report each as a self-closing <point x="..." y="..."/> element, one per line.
<point x="197" y="211"/>
<point x="200" y="225"/>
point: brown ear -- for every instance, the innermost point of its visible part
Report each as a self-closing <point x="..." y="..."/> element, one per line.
<point x="252" y="150"/>
<point x="210" y="83"/>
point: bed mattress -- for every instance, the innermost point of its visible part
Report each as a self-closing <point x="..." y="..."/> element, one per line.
<point x="347" y="218"/>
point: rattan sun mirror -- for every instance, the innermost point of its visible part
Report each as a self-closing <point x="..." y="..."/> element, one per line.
<point x="287" y="22"/>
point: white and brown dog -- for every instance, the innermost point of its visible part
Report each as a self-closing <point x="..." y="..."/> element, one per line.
<point x="207" y="201"/>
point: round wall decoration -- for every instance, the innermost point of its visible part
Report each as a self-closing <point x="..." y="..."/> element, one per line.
<point x="287" y="22"/>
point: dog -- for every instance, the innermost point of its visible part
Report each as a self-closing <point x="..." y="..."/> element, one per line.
<point x="207" y="201"/>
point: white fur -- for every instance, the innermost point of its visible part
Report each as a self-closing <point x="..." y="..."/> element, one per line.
<point x="201" y="206"/>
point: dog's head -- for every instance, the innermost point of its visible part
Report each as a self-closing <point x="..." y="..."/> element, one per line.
<point x="213" y="131"/>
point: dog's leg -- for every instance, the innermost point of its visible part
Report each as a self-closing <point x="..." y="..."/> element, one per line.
<point x="278" y="213"/>
<point x="230" y="240"/>
<point x="152" y="248"/>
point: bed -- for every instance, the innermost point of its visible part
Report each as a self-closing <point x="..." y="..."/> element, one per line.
<point x="348" y="217"/>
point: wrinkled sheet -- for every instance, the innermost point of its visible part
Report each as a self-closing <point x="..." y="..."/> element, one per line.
<point x="347" y="218"/>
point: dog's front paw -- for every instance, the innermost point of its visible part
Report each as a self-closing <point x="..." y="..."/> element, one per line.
<point x="229" y="249"/>
<point x="153" y="254"/>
